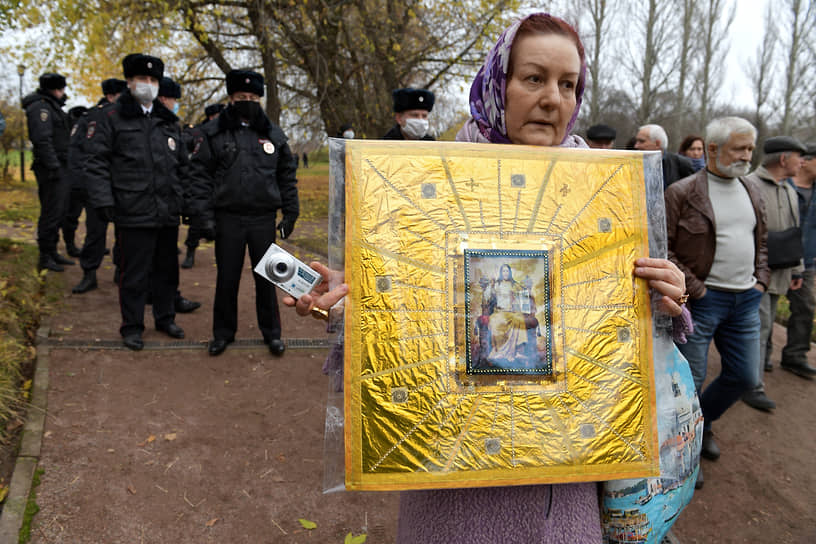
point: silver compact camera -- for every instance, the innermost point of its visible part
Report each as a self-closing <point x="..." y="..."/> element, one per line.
<point x="284" y="270"/>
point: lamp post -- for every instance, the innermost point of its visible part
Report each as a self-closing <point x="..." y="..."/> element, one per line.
<point x="21" y="71"/>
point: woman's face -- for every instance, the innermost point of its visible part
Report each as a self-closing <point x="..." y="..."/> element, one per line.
<point x="540" y="94"/>
<point x="505" y="272"/>
<point x="695" y="150"/>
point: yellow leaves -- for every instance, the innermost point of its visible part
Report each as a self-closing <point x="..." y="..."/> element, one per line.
<point x="351" y="539"/>
<point x="169" y="437"/>
<point x="4" y="489"/>
<point x="306" y="524"/>
<point x="396" y="47"/>
<point x="149" y="440"/>
<point x="212" y="522"/>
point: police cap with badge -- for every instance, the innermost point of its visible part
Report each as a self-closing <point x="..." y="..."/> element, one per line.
<point x="138" y="64"/>
<point x="412" y="99"/>
<point x="245" y="81"/>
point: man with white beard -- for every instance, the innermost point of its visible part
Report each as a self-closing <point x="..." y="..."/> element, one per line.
<point x="717" y="236"/>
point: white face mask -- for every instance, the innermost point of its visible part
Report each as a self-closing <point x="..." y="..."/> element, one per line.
<point x="145" y="93"/>
<point x="348" y="135"/>
<point x="414" y="129"/>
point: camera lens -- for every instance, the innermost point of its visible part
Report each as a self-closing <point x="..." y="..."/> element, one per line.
<point x="281" y="267"/>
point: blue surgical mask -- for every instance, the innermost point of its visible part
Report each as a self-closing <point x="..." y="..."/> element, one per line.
<point x="176" y="108"/>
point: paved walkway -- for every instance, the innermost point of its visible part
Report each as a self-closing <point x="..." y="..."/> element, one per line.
<point x="171" y="445"/>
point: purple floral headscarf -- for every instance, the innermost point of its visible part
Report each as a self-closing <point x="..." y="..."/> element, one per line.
<point x="487" y="93"/>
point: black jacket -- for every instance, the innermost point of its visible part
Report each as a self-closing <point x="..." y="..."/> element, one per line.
<point x="49" y="129"/>
<point x="136" y="163"/>
<point x="247" y="170"/>
<point x="675" y="167"/>
<point x="395" y="133"/>
<point x="77" y="152"/>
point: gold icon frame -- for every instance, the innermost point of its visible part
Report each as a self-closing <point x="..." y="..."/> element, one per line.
<point x="414" y="417"/>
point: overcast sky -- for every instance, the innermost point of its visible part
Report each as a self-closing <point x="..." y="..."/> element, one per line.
<point x="745" y="34"/>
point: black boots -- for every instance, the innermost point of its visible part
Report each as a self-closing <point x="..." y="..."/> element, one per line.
<point x="71" y="249"/>
<point x="87" y="283"/>
<point x="59" y="259"/>
<point x="47" y="262"/>
<point x="189" y="260"/>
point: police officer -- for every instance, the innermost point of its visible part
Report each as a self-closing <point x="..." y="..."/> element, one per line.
<point x="243" y="172"/>
<point x="134" y="177"/>
<point x="193" y="235"/>
<point x="49" y="130"/>
<point x="76" y="190"/>
<point x="411" y="109"/>
<point x="96" y="226"/>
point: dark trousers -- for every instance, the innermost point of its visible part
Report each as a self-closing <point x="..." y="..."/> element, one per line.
<point x="148" y="261"/>
<point x="73" y="209"/>
<point x="193" y="237"/>
<point x="800" y="323"/>
<point x="53" y="193"/>
<point x="93" y="250"/>
<point x="233" y="234"/>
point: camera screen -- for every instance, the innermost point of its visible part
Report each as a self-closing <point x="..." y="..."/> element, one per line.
<point x="305" y="275"/>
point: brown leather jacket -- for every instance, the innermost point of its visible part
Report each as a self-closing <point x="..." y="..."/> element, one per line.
<point x="691" y="230"/>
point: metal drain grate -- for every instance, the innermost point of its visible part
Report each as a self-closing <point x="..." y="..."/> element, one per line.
<point x="291" y="343"/>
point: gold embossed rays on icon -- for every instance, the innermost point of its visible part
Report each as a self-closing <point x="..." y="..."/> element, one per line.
<point x="494" y="333"/>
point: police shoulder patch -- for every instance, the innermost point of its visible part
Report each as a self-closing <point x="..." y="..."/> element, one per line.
<point x="171" y="143"/>
<point x="43" y="115"/>
<point x="73" y="130"/>
<point x="91" y="129"/>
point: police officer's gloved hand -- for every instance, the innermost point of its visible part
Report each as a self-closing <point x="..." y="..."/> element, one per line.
<point x="286" y="226"/>
<point x="106" y="213"/>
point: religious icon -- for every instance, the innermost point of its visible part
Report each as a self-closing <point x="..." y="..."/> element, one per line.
<point x="508" y="312"/>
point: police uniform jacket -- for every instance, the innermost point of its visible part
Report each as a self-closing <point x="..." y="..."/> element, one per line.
<point x="77" y="153"/>
<point x="49" y="129"/>
<point x="136" y="163"/>
<point x="246" y="170"/>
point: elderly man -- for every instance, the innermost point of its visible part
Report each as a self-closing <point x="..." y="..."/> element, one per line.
<point x="49" y="131"/>
<point x="802" y="302"/>
<point x="654" y="138"/>
<point x="782" y="160"/>
<point x="134" y="170"/>
<point x="601" y="136"/>
<point x="411" y="109"/>
<point x="716" y="236"/>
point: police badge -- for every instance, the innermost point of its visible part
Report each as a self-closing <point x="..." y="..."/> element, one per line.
<point x="268" y="147"/>
<point x="91" y="129"/>
<point x="171" y="143"/>
<point x="43" y="115"/>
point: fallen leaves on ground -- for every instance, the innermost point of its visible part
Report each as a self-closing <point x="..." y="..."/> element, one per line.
<point x="351" y="539"/>
<point x="212" y="522"/>
<point x="306" y="524"/>
<point x="148" y="440"/>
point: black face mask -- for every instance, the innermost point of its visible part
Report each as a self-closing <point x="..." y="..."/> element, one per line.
<point x="247" y="109"/>
<point x="63" y="99"/>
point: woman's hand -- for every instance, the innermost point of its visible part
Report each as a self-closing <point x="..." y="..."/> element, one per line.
<point x="320" y="297"/>
<point x="663" y="276"/>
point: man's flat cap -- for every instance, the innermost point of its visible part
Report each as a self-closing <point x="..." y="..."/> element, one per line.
<point x="601" y="132"/>
<point x="780" y="144"/>
<point x="169" y="88"/>
<point x="245" y="81"/>
<point x="137" y="64"/>
<point x="412" y="99"/>
<point x="51" y="81"/>
<point x="113" y="86"/>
